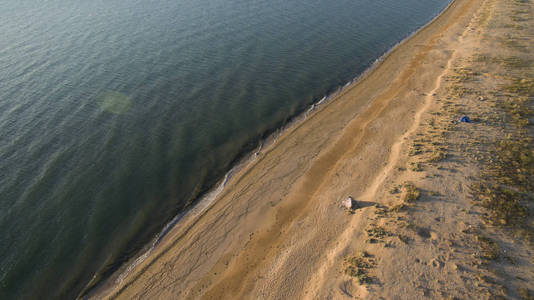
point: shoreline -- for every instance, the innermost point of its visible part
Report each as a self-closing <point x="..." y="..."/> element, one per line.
<point x="295" y="122"/>
<point x="270" y="140"/>
<point x="442" y="190"/>
<point x="247" y="159"/>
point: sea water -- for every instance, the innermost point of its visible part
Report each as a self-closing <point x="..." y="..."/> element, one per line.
<point x="117" y="114"/>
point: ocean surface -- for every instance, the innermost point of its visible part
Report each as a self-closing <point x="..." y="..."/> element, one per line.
<point x="117" y="114"/>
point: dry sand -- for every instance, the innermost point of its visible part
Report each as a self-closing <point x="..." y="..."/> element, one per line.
<point x="278" y="230"/>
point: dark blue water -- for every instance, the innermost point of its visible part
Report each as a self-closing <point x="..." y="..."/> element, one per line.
<point x="116" y="114"/>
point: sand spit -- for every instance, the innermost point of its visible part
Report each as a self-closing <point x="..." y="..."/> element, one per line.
<point x="392" y="142"/>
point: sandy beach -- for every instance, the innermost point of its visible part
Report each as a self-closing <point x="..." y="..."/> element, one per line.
<point x="393" y="142"/>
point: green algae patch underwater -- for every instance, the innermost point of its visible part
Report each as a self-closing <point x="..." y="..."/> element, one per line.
<point x="116" y="103"/>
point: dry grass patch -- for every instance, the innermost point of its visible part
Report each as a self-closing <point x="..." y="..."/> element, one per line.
<point x="358" y="266"/>
<point x="411" y="192"/>
<point x="438" y="155"/>
<point x="463" y="75"/>
<point x="526" y="294"/>
<point x="378" y="232"/>
<point x="416" y="167"/>
<point x="515" y="62"/>
<point x="457" y="90"/>
<point x="520" y="86"/>
<point x="505" y="206"/>
<point x="490" y="249"/>
<point x="513" y="44"/>
<point x="514" y="163"/>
